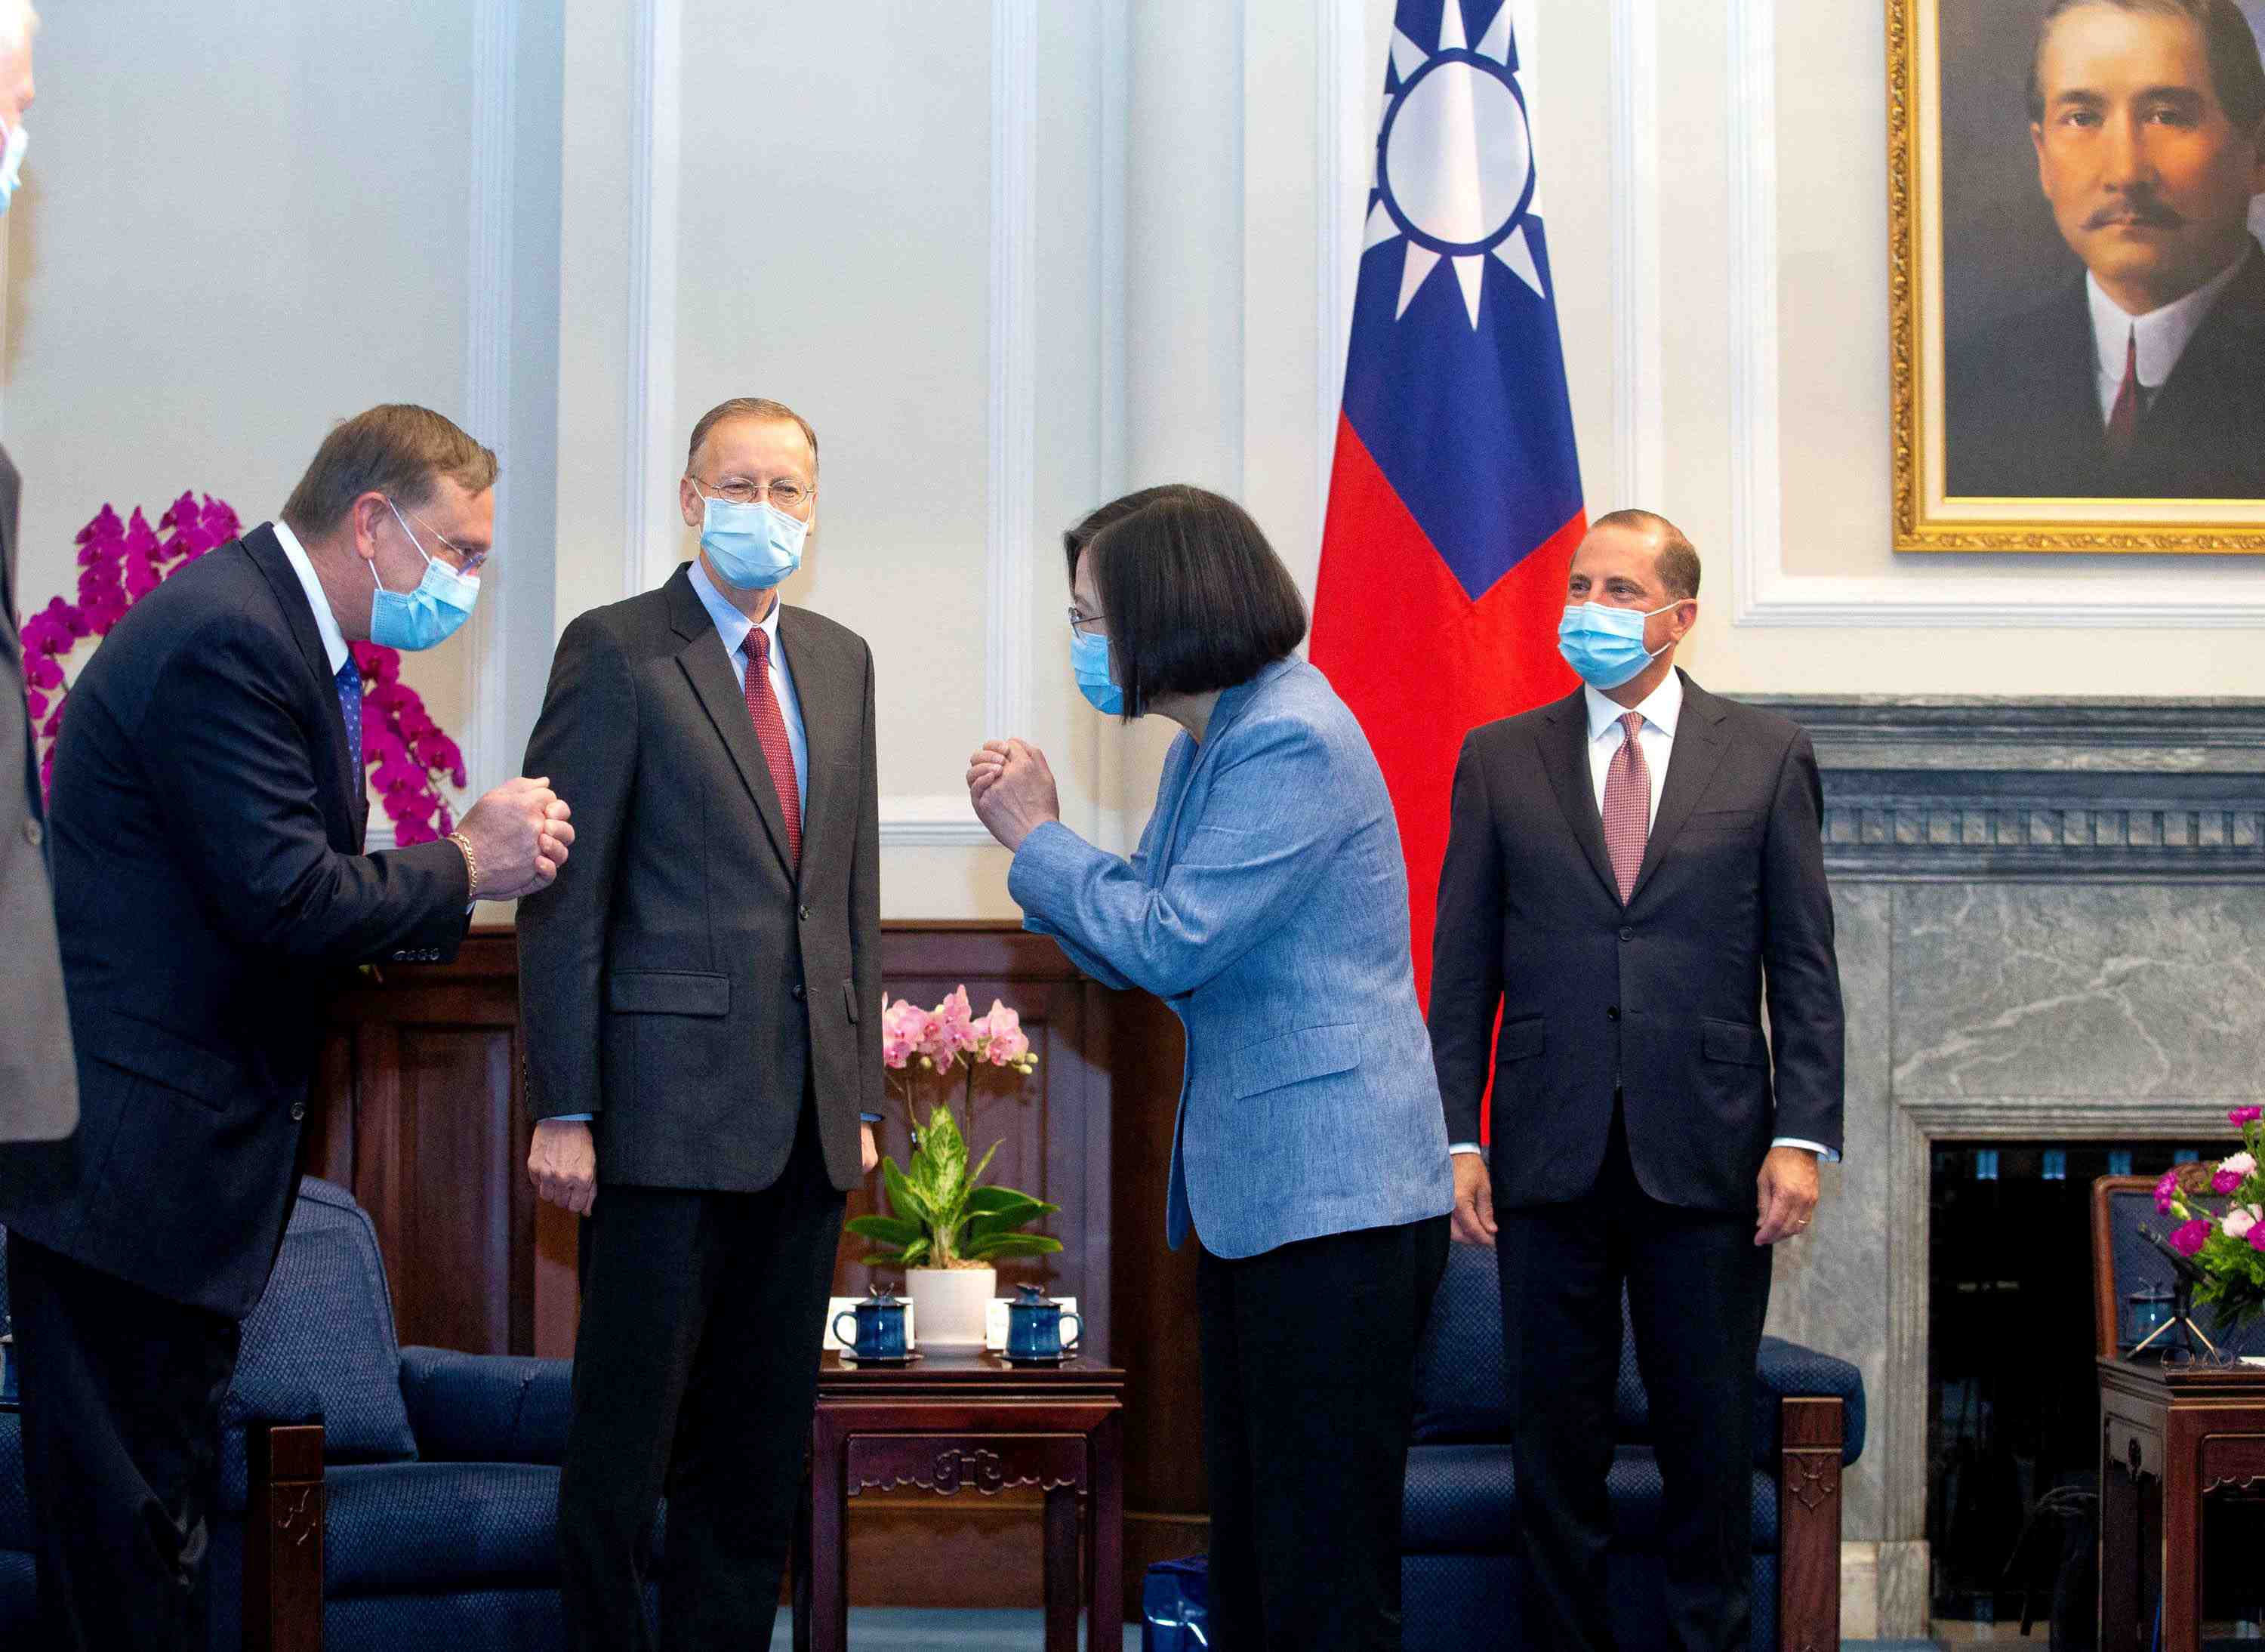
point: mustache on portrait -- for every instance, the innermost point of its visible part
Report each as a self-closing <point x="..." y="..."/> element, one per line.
<point x="2143" y="210"/>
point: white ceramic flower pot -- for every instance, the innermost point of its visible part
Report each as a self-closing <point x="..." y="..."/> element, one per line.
<point x="949" y="1306"/>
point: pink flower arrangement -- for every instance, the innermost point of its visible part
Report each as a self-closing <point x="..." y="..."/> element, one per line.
<point x="950" y="1034"/>
<point x="951" y="1039"/>
<point x="2228" y="1246"/>
<point x="121" y="562"/>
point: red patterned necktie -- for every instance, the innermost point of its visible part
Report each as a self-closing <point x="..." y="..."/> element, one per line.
<point x="1628" y="806"/>
<point x="2123" y="418"/>
<point x="770" y="734"/>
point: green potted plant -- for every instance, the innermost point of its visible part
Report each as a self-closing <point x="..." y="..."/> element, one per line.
<point x="945" y="1228"/>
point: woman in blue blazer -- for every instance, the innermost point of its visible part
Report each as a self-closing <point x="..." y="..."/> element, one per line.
<point x="1267" y="904"/>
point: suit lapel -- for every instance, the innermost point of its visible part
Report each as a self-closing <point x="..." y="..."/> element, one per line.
<point x="832" y="695"/>
<point x="1225" y="714"/>
<point x="1691" y="765"/>
<point x="1565" y="756"/>
<point x="347" y="811"/>
<point x="705" y="664"/>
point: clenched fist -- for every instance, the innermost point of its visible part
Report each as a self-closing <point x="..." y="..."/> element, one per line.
<point x="561" y="1161"/>
<point x="520" y="835"/>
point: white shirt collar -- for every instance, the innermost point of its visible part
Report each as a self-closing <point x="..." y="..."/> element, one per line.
<point x="1661" y="708"/>
<point x="326" y="624"/>
<point x="2163" y="334"/>
<point x="731" y="625"/>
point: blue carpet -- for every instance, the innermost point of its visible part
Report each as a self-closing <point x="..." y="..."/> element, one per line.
<point x="877" y="1629"/>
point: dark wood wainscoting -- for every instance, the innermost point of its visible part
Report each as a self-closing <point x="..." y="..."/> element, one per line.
<point x="420" y="1114"/>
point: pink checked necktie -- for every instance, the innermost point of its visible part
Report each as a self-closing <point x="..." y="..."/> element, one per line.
<point x="770" y="734"/>
<point x="1628" y="806"/>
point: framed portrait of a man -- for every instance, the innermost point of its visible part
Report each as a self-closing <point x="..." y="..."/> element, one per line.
<point x="2076" y="189"/>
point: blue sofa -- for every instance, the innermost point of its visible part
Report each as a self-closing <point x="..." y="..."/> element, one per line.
<point x="1462" y="1583"/>
<point x="437" y="1519"/>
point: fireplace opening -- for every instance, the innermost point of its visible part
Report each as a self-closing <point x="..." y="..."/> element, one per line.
<point x="2012" y="1401"/>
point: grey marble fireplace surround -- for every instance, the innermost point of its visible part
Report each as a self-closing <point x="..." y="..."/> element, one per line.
<point x="2051" y="925"/>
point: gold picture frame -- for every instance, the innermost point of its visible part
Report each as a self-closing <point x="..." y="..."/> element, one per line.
<point x="1927" y="517"/>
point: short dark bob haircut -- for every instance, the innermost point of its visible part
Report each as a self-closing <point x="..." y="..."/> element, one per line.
<point x="1193" y="597"/>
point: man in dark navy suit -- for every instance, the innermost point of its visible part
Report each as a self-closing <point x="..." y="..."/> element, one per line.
<point x="2145" y="378"/>
<point x="1625" y="870"/>
<point x="211" y="890"/>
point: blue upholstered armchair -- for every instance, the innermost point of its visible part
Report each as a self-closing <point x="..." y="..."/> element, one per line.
<point x="413" y="1505"/>
<point x="1463" y="1583"/>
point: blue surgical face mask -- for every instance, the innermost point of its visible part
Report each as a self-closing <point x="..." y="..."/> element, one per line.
<point x="428" y="615"/>
<point x="1088" y="658"/>
<point x="11" y="164"/>
<point x="1605" y="645"/>
<point x="753" y="546"/>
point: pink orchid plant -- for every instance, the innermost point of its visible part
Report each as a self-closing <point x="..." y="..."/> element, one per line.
<point x="2227" y="1245"/>
<point x="943" y="1215"/>
<point x="120" y="562"/>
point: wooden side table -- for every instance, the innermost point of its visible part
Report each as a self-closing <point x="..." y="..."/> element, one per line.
<point x="949" y="1423"/>
<point x="2169" y="1437"/>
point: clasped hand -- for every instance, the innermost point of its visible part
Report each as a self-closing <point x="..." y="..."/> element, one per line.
<point x="520" y="834"/>
<point x="1012" y="789"/>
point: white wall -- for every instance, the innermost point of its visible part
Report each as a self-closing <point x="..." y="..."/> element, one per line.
<point x="1011" y="257"/>
<point x="248" y="219"/>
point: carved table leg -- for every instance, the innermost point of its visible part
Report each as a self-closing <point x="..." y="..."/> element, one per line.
<point x="1106" y="1555"/>
<point x="829" y="1553"/>
<point x="800" y="1563"/>
<point x="1061" y="1569"/>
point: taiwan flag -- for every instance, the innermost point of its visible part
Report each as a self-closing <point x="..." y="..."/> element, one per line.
<point x="1455" y="495"/>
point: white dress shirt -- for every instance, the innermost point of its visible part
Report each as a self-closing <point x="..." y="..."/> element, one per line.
<point x="335" y="642"/>
<point x="1662" y="708"/>
<point x="2162" y="334"/>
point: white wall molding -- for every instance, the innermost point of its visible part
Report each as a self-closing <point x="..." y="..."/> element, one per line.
<point x="651" y="523"/>
<point x="487" y="368"/>
<point x="1639" y="420"/>
<point x="1764" y="594"/>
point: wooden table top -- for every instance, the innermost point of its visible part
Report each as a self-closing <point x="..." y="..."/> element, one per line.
<point x="967" y="1375"/>
<point x="2187" y="1380"/>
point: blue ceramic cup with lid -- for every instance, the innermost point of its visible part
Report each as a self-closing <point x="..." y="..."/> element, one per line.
<point x="1034" y="1326"/>
<point x="879" y="1326"/>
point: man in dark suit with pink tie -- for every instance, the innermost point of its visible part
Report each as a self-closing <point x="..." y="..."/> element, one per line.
<point x="1629" y="870"/>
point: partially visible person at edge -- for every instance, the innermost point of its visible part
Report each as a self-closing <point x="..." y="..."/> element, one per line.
<point x="39" y="1091"/>
<point x="211" y="893"/>
<point x="1309" y="1158"/>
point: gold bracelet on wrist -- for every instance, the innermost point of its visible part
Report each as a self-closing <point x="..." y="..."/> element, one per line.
<point x="471" y="862"/>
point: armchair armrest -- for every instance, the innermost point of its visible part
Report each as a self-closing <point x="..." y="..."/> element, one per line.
<point x="487" y="1408"/>
<point x="1786" y="1370"/>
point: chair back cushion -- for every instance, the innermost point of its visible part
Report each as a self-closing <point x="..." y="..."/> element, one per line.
<point x="326" y="1326"/>
<point x="1462" y="1383"/>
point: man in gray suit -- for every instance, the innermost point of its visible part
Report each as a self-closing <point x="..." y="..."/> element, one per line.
<point x="701" y="1013"/>
<point x="39" y="1089"/>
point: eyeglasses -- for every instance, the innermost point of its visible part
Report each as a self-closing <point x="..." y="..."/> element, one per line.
<point x="467" y="561"/>
<point x="786" y="496"/>
<point x="1079" y="619"/>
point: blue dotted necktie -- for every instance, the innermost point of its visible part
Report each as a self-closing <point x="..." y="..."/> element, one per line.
<point x="349" y="681"/>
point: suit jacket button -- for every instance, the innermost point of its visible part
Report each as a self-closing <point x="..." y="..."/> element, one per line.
<point x="1627" y="935"/>
<point x="1612" y="1012"/>
<point x="33" y="834"/>
<point x="298" y="1111"/>
<point x="798" y="992"/>
<point x="802" y="913"/>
